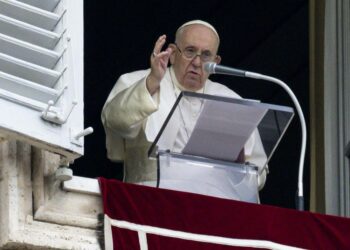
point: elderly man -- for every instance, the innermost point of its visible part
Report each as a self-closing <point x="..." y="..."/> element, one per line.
<point x="140" y="101"/>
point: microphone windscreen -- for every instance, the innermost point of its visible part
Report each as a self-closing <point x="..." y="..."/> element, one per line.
<point x="210" y="67"/>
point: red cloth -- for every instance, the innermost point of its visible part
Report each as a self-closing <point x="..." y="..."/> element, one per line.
<point x="214" y="216"/>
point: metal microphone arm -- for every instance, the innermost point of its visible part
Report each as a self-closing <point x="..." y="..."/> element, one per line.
<point x="300" y="204"/>
<point x="213" y="68"/>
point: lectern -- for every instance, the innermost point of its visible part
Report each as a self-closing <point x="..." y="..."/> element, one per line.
<point x="201" y="145"/>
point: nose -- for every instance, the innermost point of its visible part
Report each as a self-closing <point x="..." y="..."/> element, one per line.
<point x="197" y="61"/>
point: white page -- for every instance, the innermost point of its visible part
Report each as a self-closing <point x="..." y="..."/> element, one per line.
<point x="222" y="129"/>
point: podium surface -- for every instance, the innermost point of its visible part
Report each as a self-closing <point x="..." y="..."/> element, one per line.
<point x="208" y="144"/>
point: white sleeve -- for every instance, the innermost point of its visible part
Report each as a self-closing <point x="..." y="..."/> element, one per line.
<point x="127" y="107"/>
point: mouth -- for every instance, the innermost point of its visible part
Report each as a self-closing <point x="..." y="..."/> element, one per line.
<point x="194" y="73"/>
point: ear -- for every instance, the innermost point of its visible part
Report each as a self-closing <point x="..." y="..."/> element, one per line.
<point x="218" y="59"/>
<point x="173" y="51"/>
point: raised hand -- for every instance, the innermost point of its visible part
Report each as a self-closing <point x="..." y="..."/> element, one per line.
<point x="159" y="62"/>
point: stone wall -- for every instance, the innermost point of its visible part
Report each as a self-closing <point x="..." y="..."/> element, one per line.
<point x="35" y="212"/>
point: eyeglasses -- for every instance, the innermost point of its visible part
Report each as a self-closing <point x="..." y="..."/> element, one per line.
<point x="190" y="53"/>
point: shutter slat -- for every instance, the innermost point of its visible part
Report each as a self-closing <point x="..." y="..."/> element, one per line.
<point x="28" y="71"/>
<point x="28" y="33"/>
<point x="45" y="5"/>
<point x="27" y="89"/>
<point x="22" y="100"/>
<point x="29" y="14"/>
<point x="28" y="52"/>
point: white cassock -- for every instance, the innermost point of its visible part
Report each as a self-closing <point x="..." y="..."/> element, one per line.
<point x="132" y="119"/>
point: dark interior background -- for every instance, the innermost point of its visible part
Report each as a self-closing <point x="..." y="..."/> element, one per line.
<point x="269" y="37"/>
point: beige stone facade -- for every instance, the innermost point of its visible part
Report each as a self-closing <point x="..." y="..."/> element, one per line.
<point x="35" y="211"/>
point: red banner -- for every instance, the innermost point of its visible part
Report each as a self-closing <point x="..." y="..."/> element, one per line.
<point x="139" y="217"/>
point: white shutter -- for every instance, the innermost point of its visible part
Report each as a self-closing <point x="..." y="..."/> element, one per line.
<point x="41" y="73"/>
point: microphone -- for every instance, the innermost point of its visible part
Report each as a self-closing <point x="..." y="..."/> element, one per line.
<point x="213" y="68"/>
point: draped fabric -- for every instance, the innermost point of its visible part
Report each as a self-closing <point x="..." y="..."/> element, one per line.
<point x="139" y="217"/>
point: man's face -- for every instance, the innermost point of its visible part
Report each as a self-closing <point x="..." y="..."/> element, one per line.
<point x="190" y="72"/>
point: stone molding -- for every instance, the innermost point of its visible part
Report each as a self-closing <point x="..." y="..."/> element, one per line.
<point x="35" y="212"/>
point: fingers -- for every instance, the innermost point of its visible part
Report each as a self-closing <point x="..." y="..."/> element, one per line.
<point x="159" y="44"/>
<point x="159" y="61"/>
<point x="162" y="55"/>
<point x="159" y="58"/>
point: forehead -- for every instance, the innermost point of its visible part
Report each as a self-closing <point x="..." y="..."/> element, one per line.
<point x="199" y="36"/>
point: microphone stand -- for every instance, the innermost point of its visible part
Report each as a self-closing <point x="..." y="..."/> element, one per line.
<point x="300" y="199"/>
<point x="212" y="67"/>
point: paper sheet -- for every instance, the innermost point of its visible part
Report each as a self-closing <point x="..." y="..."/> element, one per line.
<point x="222" y="129"/>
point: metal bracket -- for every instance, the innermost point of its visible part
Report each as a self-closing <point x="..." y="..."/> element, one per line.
<point x="75" y="136"/>
<point x="57" y="118"/>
